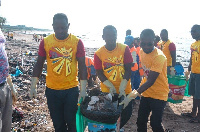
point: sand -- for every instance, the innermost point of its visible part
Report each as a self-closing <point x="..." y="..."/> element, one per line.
<point x="36" y="114"/>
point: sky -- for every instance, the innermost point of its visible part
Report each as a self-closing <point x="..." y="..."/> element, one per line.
<point x="177" y="16"/>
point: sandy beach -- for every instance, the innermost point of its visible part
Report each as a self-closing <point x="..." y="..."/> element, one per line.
<point x="36" y="114"/>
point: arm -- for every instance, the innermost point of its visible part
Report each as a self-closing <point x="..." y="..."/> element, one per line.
<point x="150" y="81"/>
<point x="189" y="67"/>
<point x="82" y="68"/>
<point x="101" y="76"/>
<point x="159" y="63"/>
<point x="127" y="74"/>
<point x="172" y="49"/>
<point x="128" y="62"/>
<point x="173" y="55"/>
<point x="37" y="70"/>
<point x="80" y="56"/>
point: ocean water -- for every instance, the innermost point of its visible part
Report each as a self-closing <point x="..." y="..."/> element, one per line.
<point x="93" y="39"/>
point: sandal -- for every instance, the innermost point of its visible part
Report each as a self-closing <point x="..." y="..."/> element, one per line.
<point x="194" y="120"/>
<point x="187" y="115"/>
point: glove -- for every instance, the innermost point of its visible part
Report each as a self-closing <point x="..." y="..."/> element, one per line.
<point x="172" y="71"/>
<point x="83" y="93"/>
<point x="110" y="86"/>
<point x="34" y="81"/>
<point x="130" y="96"/>
<point x="13" y="90"/>
<point x="187" y="73"/>
<point x="122" y="88"/>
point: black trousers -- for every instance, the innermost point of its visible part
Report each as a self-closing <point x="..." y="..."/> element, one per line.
<point x="155" y="106"/>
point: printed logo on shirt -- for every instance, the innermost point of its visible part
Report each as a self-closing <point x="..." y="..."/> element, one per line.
<point x="114" y="67"/>
<point x="59" y="57"/>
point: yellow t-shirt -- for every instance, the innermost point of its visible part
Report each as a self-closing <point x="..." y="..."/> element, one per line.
<point x="165" y="48"/>
<point x="113" y="66"/>
<point x="61" y="62"/>
<point x="195" y="49"/>
<point x="157" y="62"/>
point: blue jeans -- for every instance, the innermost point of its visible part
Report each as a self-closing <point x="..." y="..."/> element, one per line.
<point x="135" y="79"/>
<point x="148" y="105"/>
<point x="62" y="105"/>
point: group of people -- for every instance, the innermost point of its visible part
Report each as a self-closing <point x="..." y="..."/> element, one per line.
<point x="136" y="68"/>
<point x="10" y="36"/>
<point x="37" y="37"/>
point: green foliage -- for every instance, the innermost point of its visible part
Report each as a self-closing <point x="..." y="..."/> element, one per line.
<point x="2" y="21"/>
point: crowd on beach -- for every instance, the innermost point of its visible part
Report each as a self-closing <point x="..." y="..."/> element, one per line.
<point x="137" y="69"/>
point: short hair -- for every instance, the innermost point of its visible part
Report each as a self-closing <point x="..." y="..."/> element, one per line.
<point x="147" y="33"/>
<point x="196" y="26"/>
<point x="165" y="31"/>
<point x="128" y="32"/>
<point x="60" y="16"/>
<point x="157" y="38"/>
<point x="109" y="27"/>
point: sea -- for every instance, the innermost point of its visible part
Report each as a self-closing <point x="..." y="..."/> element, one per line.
<point x="93" y="39"/>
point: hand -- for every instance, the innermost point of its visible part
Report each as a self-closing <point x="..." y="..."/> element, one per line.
<point x="13" y="90"/>
<point x="83" y="92"/>
<point x="14" y="95"/>
<point x="130" y="96"/>
<point x="187" y="73"/>
<point x="122" y="88"/>
<point x="34" y="81"/>
<point x="172" y="71"/>
<point x="110" y="86"/>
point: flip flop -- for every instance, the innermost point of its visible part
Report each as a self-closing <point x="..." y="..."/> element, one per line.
<point x="187" y="115"/>
<point x="194" y="120"/>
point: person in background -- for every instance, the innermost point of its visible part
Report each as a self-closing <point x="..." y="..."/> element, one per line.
<point x="8" y="36"/>
<point x="169" y="49"/>
<point x="62" y="51"/>
<point x="139" y="73"/>
<point x="128" y="32"/>
<point x="129" y="41"/>
<point x="6" y="91"/>
<point x="11" y="35"/>
<point x="154" y="87"/>
<point x="157" y="39"/>
<point x="194" y="69"/>
<point x="113" y="65"/>
<point x="91" y="72"/>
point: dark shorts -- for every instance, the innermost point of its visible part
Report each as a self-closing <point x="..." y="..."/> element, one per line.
<point x="194" y="85"/>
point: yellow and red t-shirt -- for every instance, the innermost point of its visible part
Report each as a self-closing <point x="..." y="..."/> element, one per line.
<point x="157" y="62"/>
<point x="61" y="56"/>
<point x="195" y="49"/>
<point x="166" y="47"/>
<point x="112" y="64"/>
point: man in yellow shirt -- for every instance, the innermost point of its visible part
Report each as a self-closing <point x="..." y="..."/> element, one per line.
<point x="63" y="51"/>
<point x="169" y="49"/>
<point x="154" y="86"/>
<point x="194" y="67"/>
<point x="113" y="65"/>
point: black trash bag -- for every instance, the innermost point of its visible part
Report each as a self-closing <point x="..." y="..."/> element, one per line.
<point x="108" y="117"/>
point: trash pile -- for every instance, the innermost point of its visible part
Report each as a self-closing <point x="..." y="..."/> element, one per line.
<point x="102" y="103"/>
<point x="28" y="115"/>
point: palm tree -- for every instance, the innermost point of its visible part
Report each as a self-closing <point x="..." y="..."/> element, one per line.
<point x="2" y="21"/>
